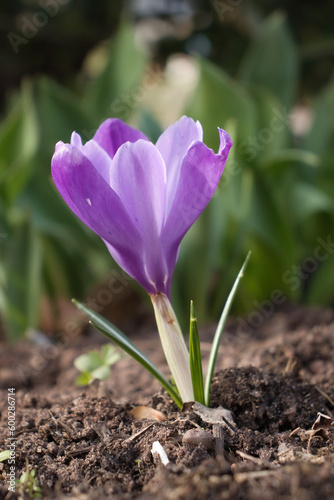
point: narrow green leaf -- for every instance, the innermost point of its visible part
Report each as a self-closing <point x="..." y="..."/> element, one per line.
<point x="219" y="331"/>
<point x="195" y="357"/>
<point x="116" y="336"/>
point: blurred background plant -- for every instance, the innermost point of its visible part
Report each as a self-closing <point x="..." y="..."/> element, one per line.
<point x="263" y="74"/>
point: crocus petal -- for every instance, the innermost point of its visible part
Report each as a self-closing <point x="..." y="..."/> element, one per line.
<point x="173" y="145"/>
<point x="225" y="143"/>
<point x="112" y="133"/>
<point x="135" y="270"/>
<point x="142" y="188"/>
<point x="90" y="197"/>
<point x="200" y="173"/>
<point x="97" y="155"/>
<point x="76" y="140"/>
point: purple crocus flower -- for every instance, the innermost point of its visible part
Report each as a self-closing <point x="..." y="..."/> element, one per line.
<point x="140" y="198"/>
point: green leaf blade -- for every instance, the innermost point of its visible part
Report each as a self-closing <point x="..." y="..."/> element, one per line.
<point x="116" y="336"/>
<point x="195" y="357"/>
<point x="219" y="331"/>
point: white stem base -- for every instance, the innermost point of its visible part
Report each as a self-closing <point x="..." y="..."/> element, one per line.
<point x="174" y="346"/>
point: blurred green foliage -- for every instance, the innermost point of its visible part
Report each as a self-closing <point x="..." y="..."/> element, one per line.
<point x="44" y="248"/>
<point x="275" y="197"/>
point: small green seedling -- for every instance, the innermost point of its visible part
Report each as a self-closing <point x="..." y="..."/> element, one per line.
<point x="96" y="365"/>
<point x="27" y="483"/>
<point x="4" y="455"/>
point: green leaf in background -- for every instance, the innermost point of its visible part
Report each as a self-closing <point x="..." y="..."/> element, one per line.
<point x="320" y="289"/>
<point x="319" y="139"/>
<point x="19" y="139"/>
<point x="266" y="220"/>
<point x="272" y="133"/>
<point x="195" y="357"/>
<point x="307" y="200"/>
<point x="291" y="160"/>
<point x="61" y="111"/>
<point x="271" y="60"/>
<point x="217" y="99"/>
<point x="117" y="90"/>
<point x="23" y="287"/>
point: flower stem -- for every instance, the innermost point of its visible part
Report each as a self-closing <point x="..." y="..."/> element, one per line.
<point x="173" y="345"/>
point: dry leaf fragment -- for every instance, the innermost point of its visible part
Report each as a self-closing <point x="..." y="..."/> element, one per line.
<point x="142" y="412"/>
<point x="323" y="422"/>
<point x="323" y="426"/>
<point x="218" y="415"/>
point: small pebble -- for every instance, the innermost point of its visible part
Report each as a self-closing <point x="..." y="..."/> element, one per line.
<point x="52" y="448"/>
<point x="195" y="437"/>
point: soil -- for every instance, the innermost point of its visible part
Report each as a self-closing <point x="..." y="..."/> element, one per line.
<point x="84" y="443"/>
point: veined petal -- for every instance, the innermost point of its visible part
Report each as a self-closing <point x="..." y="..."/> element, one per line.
<point x="138" y="176"/>
<point x="97" y="155"/>
<point x="225" y="143"/>
<point x="112" y="133"/>
<point x="135" y="270"/>
<point x="173" y="145"/>
<point x="200" y="173"/>
<point x="76" y="140"/>
<point x="90" y="197"/>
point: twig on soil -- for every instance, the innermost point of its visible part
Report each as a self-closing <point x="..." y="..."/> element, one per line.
<point x="80" y="451"/>
<point x="255" y="460"/>
<point x="59" y="423"/>
<point x="325" y="395"/>
<point x="218" y="434"/>
<point x="294" y="432"/>
<point x="137" y="435"/>
<point x="180" y="419"/>
<point x="240" y="477"/>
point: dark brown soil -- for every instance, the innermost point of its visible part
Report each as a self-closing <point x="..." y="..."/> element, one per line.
<point x="85" y="444"/>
